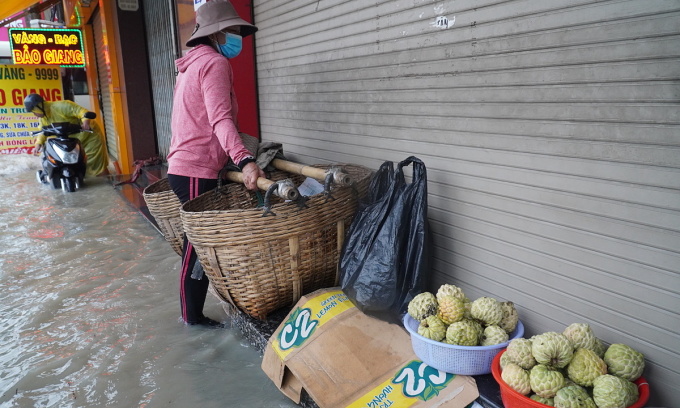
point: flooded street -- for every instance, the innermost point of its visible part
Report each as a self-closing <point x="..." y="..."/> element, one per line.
<point x="89" y="309"/>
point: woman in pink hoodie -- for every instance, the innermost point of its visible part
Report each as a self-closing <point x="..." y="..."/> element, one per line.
<point x="205" y="130"/>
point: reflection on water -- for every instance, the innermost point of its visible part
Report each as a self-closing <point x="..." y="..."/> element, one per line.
<point x="89" y="311"/>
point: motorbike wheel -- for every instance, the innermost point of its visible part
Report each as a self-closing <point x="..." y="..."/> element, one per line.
<point x="56" y="183"/>
<point x="68" y="184"/>
<point x="40" y="176"/>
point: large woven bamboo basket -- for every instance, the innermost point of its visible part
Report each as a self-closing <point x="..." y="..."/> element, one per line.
<point x="164" y="206"/>
<point x="262" y="263"/>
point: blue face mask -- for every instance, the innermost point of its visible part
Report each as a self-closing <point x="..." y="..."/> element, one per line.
<point x="232" y="45"/>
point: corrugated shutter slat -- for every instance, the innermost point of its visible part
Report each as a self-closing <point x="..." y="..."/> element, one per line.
<point x="159" y="26"/>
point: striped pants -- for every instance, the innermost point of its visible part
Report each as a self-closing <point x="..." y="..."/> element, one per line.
<point x="192" y="292"/>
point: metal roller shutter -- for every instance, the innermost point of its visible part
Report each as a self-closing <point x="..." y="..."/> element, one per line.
<point x="104" y="75"/>
<point x="551" y="135"/>
<point x="159" y="18"/>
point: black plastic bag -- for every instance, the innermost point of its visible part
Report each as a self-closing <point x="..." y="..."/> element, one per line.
<point x="385" y="260"/>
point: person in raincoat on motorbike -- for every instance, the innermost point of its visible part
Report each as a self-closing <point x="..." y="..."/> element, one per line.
<point x="93" y="143"/>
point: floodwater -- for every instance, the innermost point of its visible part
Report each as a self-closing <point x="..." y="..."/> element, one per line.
<point x="89" y="309"/>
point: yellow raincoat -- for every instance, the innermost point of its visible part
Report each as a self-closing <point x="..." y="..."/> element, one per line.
<point x="94" y="143"/>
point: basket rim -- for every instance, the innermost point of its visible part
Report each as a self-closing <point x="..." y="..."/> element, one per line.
<point x="155" y="187"/>
<point x="518" y="332"/>
<point x="642" y="384"/>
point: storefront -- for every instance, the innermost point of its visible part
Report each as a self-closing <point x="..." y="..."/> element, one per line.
<point x="115" y="88"/>
<point x="118" y="77"/>
<point x="130" y="50"/>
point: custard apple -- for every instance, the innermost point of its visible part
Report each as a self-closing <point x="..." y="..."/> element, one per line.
<point x="610" y="391"/>
<point x="624" y="361"/>
<point x="451" y="309"/>
<point x="519" y="351"/>
<point x="505" y="360"/>
<point x="581" y="335"/>
<point x="468" y="309"/>
<point x="585" y="366"/>
<point x="422" y="305"/>
<point x="545" y="381"/>
<point x="573" y="396"/>
<point x="546" y="401"/>
<point x="517" y="378"/>
<point x="599" y="348"/>
<point x="552" y="349"/>
<point x="450" y="290"/>
<point x="464" y="333"/>
<point x="432" y="328"/>
<point x="510" y="317"/>
<point x="487" y="310"/>
<point x="493" y="335"/>
<point x="567" y="380"/>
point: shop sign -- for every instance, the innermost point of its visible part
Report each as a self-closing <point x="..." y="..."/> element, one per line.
<point x="17" y="81"/>
<point x="47" y="46"/>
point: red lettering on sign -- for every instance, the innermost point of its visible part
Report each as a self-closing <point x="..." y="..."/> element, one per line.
<point x="17" y="99"/>
<point x="17" y="150"/>
<point x="50" y="95"/>
<point x="3" y="97"/>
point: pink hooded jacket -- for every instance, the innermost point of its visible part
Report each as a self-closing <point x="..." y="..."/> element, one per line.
<point x="204" y="123"/>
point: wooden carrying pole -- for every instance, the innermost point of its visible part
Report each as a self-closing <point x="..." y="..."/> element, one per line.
<point x="317" y="173"/>
<point x="264" y="185"/>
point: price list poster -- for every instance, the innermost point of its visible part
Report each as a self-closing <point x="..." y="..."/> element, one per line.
<point x="17" y="125"/>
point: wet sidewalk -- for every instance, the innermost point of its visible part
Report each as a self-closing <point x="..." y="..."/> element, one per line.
<point x="89" y="310"/>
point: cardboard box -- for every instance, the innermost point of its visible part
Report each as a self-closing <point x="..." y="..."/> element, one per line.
<point x="346" y="359"/>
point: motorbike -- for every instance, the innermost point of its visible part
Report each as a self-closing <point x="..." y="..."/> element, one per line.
<point x="62" y="156"/>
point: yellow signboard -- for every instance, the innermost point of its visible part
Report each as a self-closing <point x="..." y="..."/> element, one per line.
<point x="17" y="81"/>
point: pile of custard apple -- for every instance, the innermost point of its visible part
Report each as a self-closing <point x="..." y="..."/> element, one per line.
<point x="573" y="369"/>
<point x="450" y="317"/>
